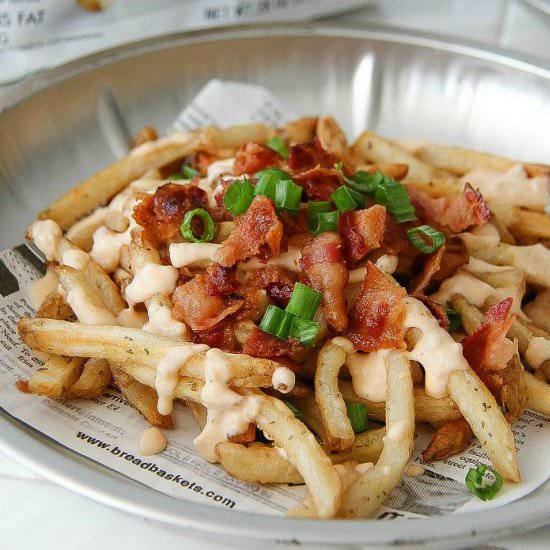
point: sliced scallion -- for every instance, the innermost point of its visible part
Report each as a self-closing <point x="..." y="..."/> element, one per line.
<point x="188" y="172"/>
<point x="357" y="414"/>
<point x="277" y="322"/>
<point x="209" y="228"/>
<point x="238" y="196"/>
<point x="277" y="144"/>
<point x="304" y="301"/>
<point x="475" y="484"/>
<point x="426" y="238"/>
<point x="304" y="330"/>
<point x="343" y="199"/>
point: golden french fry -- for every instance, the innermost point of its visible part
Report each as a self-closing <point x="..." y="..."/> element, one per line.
<point x="363" y="497"/>
<point x="144" y="399"/>
<point x="471" y="317"/>
<point x="531" y="227"/>
<point x="54" y="306"/>
<point x="93" y="381"/>
<point x="538" y="394"/>
<point x="81" y="232"/>
<point x="127" y="348"/>
<point x="436" y="187"/>
<point x="299" y="131"/>
<point x="482" y="412"/>
<point x="199" y="413"/>
<point x="338" y="433"/>
<point x="426" y="408"/>
<point x="374" y="148"/>
<point x="331" y="136"/>
<point x="56" y="376"/>
<point x="142" y="251"/>
<point x="276" y="420"/>
<point x="539" y="310"/>
<point x="312" y="417"/>
<point x="366" y="448"/>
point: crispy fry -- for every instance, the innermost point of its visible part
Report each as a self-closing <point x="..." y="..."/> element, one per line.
<point x="300" y="130"/>
<point x="135" y="348"/>
<point x="54" y="306"/>
<point x="539" y="310"/>
<point x="374" y="148"/>
<point x="312" y="416"/>
<point x="538" y="394"/>
<point x="426" y="408"/>
<point x="81" y="232"/>
<point x="362" y="498"/>
<point x="531" y="227"/>
<point x="56" y="376"/>
<point x="144" y="399"/>
<point x="436" y="187"/>
<point x="482" y="412"/>
<point x="142" y="251"/>
<point x="93" y="381"/>
<point x="199" y="413"/>
<point x="331" y="136"/>
<point x="338" y="432"/>
<point x="471" y="317"/>
<point x="451" y="437"/>
<point x="146" y="134"/>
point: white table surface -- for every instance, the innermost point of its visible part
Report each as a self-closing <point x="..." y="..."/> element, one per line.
<point x="36" y="513"/>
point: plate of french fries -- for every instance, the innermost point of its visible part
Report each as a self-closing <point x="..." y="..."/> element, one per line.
<point x="313" y="302"/>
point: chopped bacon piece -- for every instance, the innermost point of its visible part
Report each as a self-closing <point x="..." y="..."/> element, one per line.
<point x="221" y="336"/>
<point x="451" y="437"/>
<point x="437" y="310"/>
<point x="322" y="262"/>
<point x="257" y="233"/>
<point x="455" y="256"/>
<point x="489" y="352"/>
<point x="362" y="231"/>
<point x="431" y="266"/>
<point x="162" y="213"/>
<point x="376" y="319"/>
<point x="395" y="240"/>
<point x="457" y="213"/>
<point x="221" y="281"/>
<point x="201" y="160"/>
<point x="278" y="283"/>
<point x="253" y="157"/>
<point x="319" y="183"/>
<point x="305" y="156"/>
<point x="196" y="308"/>
<point x="262" y="344"/>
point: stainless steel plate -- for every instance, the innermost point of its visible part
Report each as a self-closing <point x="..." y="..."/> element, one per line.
<point x="62" y="126"/>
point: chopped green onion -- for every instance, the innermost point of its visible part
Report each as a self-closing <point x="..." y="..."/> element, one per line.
<point x="277" y="322"/>
<point x="365" y="182"/>
<point x="327" y="221"/>
<point x="357" y="414"/>
<point x="455" y="320"/>
<point x="295" y="411"/>
<point x="209" y="228"/>
<point x="238" y="196"/>
<point x="314" y="208"/>
<point x="474" y="482"/>
<point x="175" y="177"/>
<point x="277" y="144"/>
<point x="393" y="195"/>
<point x="304" y="330"/>
<point x="343" y="199"/>
<point x="188" y="172"/>
<point x="280" y="174"/>
<point x="304" y="301"/>
<point x="426" y="238"/>
<point x="288" y="195"/>
<point x="358" y="197"/>
<point x="339" y="166"/>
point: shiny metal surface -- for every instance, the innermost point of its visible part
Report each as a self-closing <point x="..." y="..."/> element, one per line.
<point x="64" y="125"/>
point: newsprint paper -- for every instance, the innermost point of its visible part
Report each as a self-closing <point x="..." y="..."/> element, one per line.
<point x="107" y="429"/>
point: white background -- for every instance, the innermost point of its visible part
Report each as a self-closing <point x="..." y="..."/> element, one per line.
<point x="36" y="513"/>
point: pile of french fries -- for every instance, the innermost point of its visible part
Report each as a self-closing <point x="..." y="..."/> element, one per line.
<point x="347" y="475"/>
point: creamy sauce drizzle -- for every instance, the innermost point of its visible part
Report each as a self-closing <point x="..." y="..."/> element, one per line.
<point x="168" y="370"/>
<point x="184" y="254"/>
<point x="75" y="258"/>
<point x="40" y="288"/>
<point x="106" y="248"/>
<point x="368" y="374"/>
<point x="283" y="379"/>
<point x="46" y="235"/>
<point x="160" y="319"/>
<point x="131" y="318"/>
<point x="537" y="352"/>
<point x="435" y="350"/>
<point x="86" y="312"/>
<point x="473" y="289"/>
<point x="228" y="412"/>
<point x="151" y="279"/>
<point x="289" y="260"/>
<point x="152" y="442"/>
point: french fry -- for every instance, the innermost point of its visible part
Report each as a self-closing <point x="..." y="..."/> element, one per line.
<point x="199" y="413"/>
<point x="338" y="433"/>
<point x="54" y="306"/>
<point x="396" y="171"/>
<point x="301" y="130"/>
<point x="436" y="187"/>
<point x="312" y="417"/>
<point x="482" y="412"/>
<point x="56" y="376"/>
<point x="363" y="497"/>
<point x="331" y="136"/>
<point x="101" y="187"/>
<point x="374" y="148"/>
<point x="93" y="381"/>
<point x="323" y="482"/>
<point x="144" y="399"/>
<point x="81" y="232"/>
<point x="471" y="317"/>
<point x="142" y="251"/>
<point x="538" y="394"/>
<point x="531" y="227"/>
<point x="426" y="408"/>
<point x="366" y="448"/>
<point x="450" y="438"/>
<point x="135" y="348"/>
<point x="539" y="310"/>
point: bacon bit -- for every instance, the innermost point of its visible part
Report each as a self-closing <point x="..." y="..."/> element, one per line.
<point x="201" y="160"/>
<point x="255" y="304"/>
<point x="437" y="310"/>
<point x="23" y="386"/>
<point x="455" y="256"/>
<point x="362" y="231"/>
<point x="431" y="266"/>
<point x="325" y="270"/>
<point x="395" y="240"/>
<point x="196" y="308"/>
<point x="294" y="222"/>
<point x="487" y="350"/>
<point x="305" y="156"/>
<point x="319" y="183"/>
<point x="451" y="437"/>
<point x="258" y="233"/>
<point x="376" y="319"/>
<point x="253" y="157"/>
<point x="278" y="283"/>
<point x="261" y="344"/>
<point x="221" y="336"/>
<point x="221" y="281"/>
<point x="457" y="213"/>
<point x="162" y="213"/>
